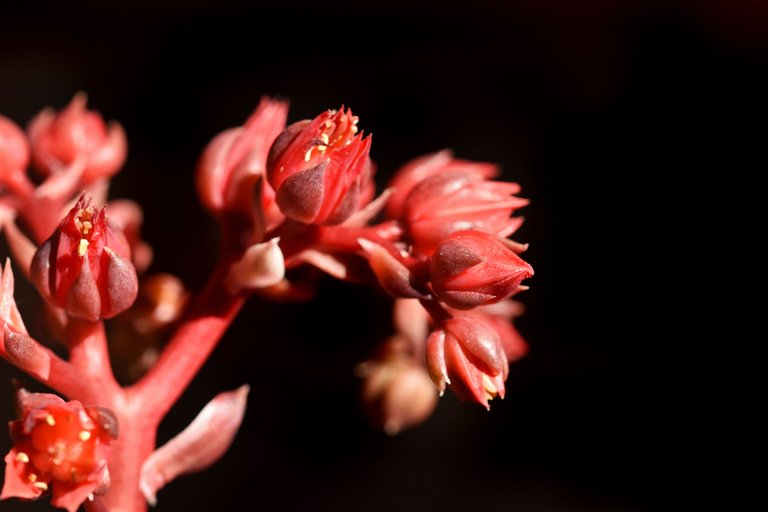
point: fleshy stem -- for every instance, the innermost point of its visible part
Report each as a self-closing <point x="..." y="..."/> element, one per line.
<point x="190" y="346"/>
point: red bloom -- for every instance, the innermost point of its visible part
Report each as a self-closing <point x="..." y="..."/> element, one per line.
<point x="77" y="135"/>
<point x="320" y="168"/>
<point x="85" y="266"/>
<point x="14" y="152"/>
<point x="236" y="159"/>
<point x="61" y="447"/>
<point x="445" y="203"/>
<point x="419" y="169"/>
<point x="465" y="352"/>
<point x="472" y="268"/>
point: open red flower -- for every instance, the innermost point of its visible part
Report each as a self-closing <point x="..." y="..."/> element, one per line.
<point x="75" y="134"/>
<point x="450" y="202"/>
<point x="85" y="266"/>
<point x="472" y="268"/>
<point x="320" y="168"/>
<point x="60" y="447"/>
<point x="466" y="353"/>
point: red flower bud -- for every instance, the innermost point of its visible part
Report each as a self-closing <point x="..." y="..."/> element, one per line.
<point x="77" y="135"/>
<point x="472" y="268"/>
<point x="445" y="203"/>
<point x="466" y="353"/>
<point x="14" y="152"/>
<point x="85" y="266"/>
<point x="419" y="169"/>
<point x="59" y="446"/>
<point x="236" y="159"/>
<point x="320" y="168"/>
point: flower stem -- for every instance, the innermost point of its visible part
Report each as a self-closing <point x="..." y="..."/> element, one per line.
<point x="190" y="346"/>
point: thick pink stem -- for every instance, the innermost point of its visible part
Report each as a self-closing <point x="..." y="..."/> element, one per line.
<point x="89" y="356"/>
<point x="134" y="444"/>
<point x="189" y="347"/>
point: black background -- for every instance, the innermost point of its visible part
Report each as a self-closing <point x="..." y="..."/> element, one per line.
<point x="637" y="129"/>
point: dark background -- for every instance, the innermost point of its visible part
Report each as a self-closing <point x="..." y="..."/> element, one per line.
<point x="636" y="128"/>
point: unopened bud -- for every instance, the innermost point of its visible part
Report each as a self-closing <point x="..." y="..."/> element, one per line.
<point x="472" y="268"/>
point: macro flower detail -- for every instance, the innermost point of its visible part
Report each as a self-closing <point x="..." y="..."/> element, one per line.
<point x="59" y="446"/>
<point x="472" y="268"/>
<point x="85" y="267"/>
<point x="449" y="202"/>
<point x="77" y="136"/>
<point x="288" y="203"/>
<point x="320" y="168"/>
<point x="419" y="169"/>
<point x="236" y="159"/>
<point x="466" y="353"/>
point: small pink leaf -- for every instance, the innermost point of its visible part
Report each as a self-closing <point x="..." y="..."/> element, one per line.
<point x="198" y="446"/>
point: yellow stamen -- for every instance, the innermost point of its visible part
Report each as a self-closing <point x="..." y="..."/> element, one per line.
<point x="50" y="421"/>
<point x="23" y="457"/>
<point x="84" y="435"/>
<point x="321" y="148"/>
<point x="32" y="477"/>
<point x="324" y="138"/>
<point x="308" y="154"/>
<point x="82" y="247"/>
<point x="87" y="226"/>
<point x="41" y="485"/>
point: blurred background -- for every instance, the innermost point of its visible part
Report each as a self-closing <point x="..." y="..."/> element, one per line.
<point x="636" y="128"/>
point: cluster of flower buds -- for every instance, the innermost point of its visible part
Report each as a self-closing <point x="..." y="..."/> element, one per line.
<point x="455" y="258"/>
<point x="443" y="240"/>
<point x="59" y="447"/>
<point x="287" y="198"/>
<point x="72" y="150"/>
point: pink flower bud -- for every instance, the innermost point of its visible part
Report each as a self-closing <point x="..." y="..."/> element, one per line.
<point x="320" y="168"/>
<point x="14" y="152"/>
<point x="77" y="135"/>
<point x="472" y="268"/>
<point x="419" y="169"/>
<point x="60" y="447"/>
<point x="466" y="353"/>
<point x="236" y="159"/>
<point x="85" y="267"/>
<point x="397" y="392"/>
<point x="198" y="446"/>
<point x="445" y="203"/>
